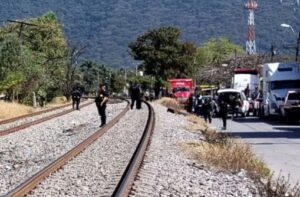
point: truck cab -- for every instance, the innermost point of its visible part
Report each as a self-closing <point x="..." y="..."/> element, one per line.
<point x="181" y="89"/>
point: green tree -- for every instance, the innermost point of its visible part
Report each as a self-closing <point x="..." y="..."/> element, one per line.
<point x="211" y="57"/>
<point x="92" y="75"/>
<point x="117" y="82"/>
<point x="32" y="56"/>
<point x="163" y="55"/>
<point x="146" y="82"/>
<point x="216" y="51"/>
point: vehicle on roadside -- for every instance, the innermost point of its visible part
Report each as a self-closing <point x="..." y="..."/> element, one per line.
<point x="243" y="78"/>
<point x="277" y="79"/>
<point x="247" y="80"/>
<point x="181" y="89"/>
<point x="230" y="95"/>
<point x="290" y="109"/>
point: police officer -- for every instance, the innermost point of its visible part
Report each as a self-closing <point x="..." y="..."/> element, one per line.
<point x="223" y="110"/>
<point x="207" y="109"/>
<point x="101" y="101"/>
<point x="135" y="96"/>
<point x="76" y="96"/>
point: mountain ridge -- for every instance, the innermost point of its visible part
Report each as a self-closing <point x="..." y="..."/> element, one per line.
<point x="108" y="26"/>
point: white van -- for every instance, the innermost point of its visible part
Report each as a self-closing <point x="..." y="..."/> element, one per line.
<point x="230" y="94"/>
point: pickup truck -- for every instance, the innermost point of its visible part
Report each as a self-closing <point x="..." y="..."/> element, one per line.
<point x="290" y="109"/>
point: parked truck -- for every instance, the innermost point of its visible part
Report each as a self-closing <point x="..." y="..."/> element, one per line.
<point x="277" y="80"/>
<point x="181" y="89"/>
<point x="243" y="78"/>
<point x="247" y="81"/>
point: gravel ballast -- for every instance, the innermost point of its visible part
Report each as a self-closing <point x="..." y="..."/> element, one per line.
<point x="168" y="171"/>
<point x="98" y="169"/>
<point x="24" y="153"/>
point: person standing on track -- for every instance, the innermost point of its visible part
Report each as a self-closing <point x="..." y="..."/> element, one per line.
<point x="135" y="96"/>
<point x="76" y="96"/>
<point x="101" y="101"/>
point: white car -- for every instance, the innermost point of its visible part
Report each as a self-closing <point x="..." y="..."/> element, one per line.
<point x="231" y="94"/>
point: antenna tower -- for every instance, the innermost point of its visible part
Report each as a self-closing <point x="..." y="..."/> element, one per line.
<point x="251" y="6"/>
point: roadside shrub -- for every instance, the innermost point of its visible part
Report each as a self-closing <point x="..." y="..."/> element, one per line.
<point x="170" y="103"/>
<point x="279" y="187"/>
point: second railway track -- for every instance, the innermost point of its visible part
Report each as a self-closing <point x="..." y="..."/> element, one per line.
<point x="18" y="123"/>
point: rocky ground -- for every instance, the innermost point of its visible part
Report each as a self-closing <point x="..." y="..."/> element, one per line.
<point x="24" y="153"/>
<point x="98" y="169"/>
<point x="168" y="171"/>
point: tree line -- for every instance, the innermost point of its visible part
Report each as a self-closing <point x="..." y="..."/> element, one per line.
<point x="36" y="59"/>
<point x="164" y="56"/>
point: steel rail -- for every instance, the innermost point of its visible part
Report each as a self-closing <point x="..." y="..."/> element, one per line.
<point x="124" y="186"/>
<point x="34" y="122"/>
<point x="31" y="183"/>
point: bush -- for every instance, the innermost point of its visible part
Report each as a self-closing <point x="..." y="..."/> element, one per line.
<point x="170" y="103"/>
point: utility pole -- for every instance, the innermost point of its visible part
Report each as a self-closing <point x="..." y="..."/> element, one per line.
<point x="235" y="65"/>
<point x="297" y="47"/>
<point x="272" y="52"/>
<point x="136" y="70"/>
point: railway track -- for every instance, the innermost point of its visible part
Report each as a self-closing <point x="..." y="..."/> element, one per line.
<point x="36" y="121"/>
<point x="124" y="185"/>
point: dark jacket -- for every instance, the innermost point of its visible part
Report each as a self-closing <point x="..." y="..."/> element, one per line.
<point x="76" y="94"/>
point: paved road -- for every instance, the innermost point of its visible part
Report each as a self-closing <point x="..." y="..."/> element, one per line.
<point x="275" y="143"/>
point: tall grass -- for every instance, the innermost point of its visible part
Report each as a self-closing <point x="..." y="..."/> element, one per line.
<point x="224" y="152"/>
<point x="9" y="110"/>
<point x="170" y="103"/>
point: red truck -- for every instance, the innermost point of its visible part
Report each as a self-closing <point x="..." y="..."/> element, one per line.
<point x="181" y="89"/>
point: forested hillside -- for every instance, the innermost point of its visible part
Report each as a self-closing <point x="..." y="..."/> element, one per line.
<point x="109" y="25"/>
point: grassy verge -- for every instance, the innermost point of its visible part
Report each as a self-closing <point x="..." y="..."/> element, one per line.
<point x="10" y="110"/>
<point x="232" y="154"/>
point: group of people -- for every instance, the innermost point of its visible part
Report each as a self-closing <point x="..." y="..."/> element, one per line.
<point x="206" y="106"/>
<point x="201" y="105"/>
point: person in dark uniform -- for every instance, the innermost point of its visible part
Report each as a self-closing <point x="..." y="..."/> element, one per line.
<point x="191" y="103"/>
<point x="136" y="96"/>
<point x="207" y="109"/>
<point x="101" y="101"/>
<point x="223" y="111"/>
<point x="76" y="96"/>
